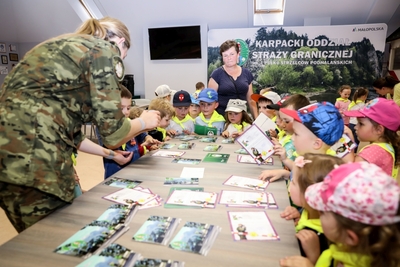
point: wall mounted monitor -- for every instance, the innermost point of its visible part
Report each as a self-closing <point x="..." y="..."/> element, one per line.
<point x="182" y="42"/>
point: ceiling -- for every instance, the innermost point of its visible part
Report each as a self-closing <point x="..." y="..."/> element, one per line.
<point x="30" y="21"/>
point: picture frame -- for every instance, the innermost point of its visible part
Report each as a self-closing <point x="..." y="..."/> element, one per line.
<point x="13" y="57"/>
<point x="4" y="59"/>
<point x="13" y="48"/>
<point x="3" y="48"/>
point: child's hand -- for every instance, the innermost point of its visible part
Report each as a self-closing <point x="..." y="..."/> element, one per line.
<point x="296" y="261"/>
<point x="236" y="134"/>
<point x="150" y="141"/>
<point x="171" y="132"/>
<point x="273" y="175"/>
<point x="349" y="133"/>
<point x="310" y="244"/>
<point x="122" y="157"/>
<point x="154" y="147"/>
<point x="186" y="132"/>
<point x="279" y="150"/>
<point x="272" y="133"/>
<point x="167" y="138"/>
<point x="291" y="213"/>
<point x="225" y="134"/>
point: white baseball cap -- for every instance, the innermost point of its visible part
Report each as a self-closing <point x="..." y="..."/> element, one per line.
<point x="162" y="91"/>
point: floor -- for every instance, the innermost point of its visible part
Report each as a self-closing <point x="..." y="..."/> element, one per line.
<point x="90" y="171"/>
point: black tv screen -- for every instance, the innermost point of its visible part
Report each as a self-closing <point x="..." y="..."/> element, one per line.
<point x="175" y="42"/>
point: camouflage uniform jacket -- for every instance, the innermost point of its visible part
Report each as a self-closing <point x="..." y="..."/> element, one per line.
<point x="58" y="86"/>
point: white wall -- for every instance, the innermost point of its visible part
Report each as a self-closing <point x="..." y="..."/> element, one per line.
<point x="178" y="74"/>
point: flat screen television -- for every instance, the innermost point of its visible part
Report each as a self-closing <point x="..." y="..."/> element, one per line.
<point x="182" y="42"/>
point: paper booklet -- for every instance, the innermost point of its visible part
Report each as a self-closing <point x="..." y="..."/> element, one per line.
<point x="186" y="146"/>
<point x="216" y="157"/>
<point x="256" y="143"/>
<point x="120" y="256"/>
<point x="99" y="233"/>
<point x="344" y="146"/>
<point x="157" y="230"/>
<point x="193" y="198"/>
<point x="249" y="159"/>
<point x="212" y="148"/>
<point x="195" y="237"/>
<point x="146" y="262"/>
<point x="152" y="203"/>
<point x="167" y="146"/>
<point x="245" y="182"/>
<point x="248" y="199"/>
<point x="228" y="141"/>
<point x="189" y="189"/>
<point x="121" y="182"/>
<point x="130" y="196"/>
<point x="186" y="161"/>
<point x="168" y="154"/>
<point x="251" y="225"/>
<point x="208" y="139"/>
<point x="264" y="123"/>
<point x="113" y="255"/>
<point x="181" y="181"/>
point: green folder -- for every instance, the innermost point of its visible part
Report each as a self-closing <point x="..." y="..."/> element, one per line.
<point x="204" y="130"/>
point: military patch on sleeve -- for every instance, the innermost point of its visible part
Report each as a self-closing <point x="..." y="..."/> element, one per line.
<point x="119" y="69"/>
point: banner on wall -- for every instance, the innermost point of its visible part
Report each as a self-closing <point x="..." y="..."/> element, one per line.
<point x="315" y="60"/>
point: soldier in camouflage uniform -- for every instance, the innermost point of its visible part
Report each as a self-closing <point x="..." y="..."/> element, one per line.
<point x="57" y="87"/>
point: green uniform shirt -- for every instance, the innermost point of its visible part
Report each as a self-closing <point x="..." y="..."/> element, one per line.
<point x="57" y="87"/>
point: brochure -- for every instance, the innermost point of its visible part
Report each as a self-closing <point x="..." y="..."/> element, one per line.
<point x="248" y="199"/>
<point x="216" y="157"/>
<point x="264" y="123"/>
<point x="146" y="262"/>
<point x="156" y="230"/>
<point x="152" y="203"/>
<point x="241" y="151"/>
<point x="251" y="225"/>
<point x="249" y="159"/>
<point x="344" y="146"/>
<point x="167" y="146"/>
<point x="193" y="198"/>
<point x="130" y="196"/>
<point x="212" y="148"/>
<point x="192" y="172"/>
<point x="245" y="182"/>
<point x="256" y="143"/>
<point x="186" y="161"/>
<point x="204" y="130"/>
<point x="208" y="139"/>
<point x="99" y="233"/>
<point x="181" y="181"/>
<point x="195" y="237"/>
<point x="121" y="182"/>
<point x="113" y="255"/>
<point x="168" y="154"/>
<point x="186" y="146"/>
<point x="190" y="189"/>
<point x="228" y="141"/>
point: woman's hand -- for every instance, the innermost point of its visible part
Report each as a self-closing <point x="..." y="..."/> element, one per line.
<point x="122" y="157"/>
<point x="151" y="118"/>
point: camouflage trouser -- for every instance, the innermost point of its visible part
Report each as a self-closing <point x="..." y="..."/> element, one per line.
<point x="24" y="206"/>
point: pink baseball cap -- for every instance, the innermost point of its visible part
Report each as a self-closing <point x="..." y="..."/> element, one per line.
<point x="383" y="111"/>
<point x="359" y="191"/>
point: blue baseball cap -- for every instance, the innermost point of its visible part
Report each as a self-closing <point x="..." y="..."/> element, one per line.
<point x="194" y="100"/>
<point x="208" y="95"/>
<point x="322" y="119"/>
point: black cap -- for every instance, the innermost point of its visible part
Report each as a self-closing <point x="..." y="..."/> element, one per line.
<point x="181" y="99"/>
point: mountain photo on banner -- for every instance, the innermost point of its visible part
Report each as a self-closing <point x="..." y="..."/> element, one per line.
<point x="314" y="61"/>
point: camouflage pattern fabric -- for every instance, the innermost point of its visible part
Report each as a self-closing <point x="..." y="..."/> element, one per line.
<point x="24" y="206"/>
<point x="57" y="87"/>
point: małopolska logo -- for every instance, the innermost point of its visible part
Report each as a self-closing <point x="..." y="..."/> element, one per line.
<point x="368" y="29"/>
